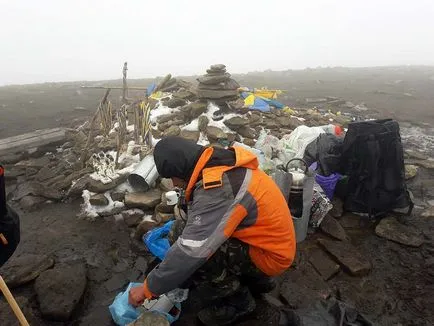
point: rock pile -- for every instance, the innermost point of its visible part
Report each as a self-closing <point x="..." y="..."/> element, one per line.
<point x="217" y="85"/>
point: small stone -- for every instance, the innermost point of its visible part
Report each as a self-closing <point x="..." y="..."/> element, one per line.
<point x="212" y="80"/>
<point x="390" y="229"/>
<point x="133" y="217"/>
<point x="145" y="200"/>
<point x="59" y="290"/>
<point x="347" y="256"/>
<point x="143" y="228"/>
<point x="233" y="137"/>
<point x="164" y="208"/>
<point x="31" y="203"/>
<point x="98" y="200"/>
<point x="331" y="226"/>
<point x="249" y="142"/>
<point x="150" y="319"/>
<point x="175" y="102"/>
<point x="410" y="171"/>
<point x="325" y="266"/>
<point x="191" y="135"/>
<point x="428" y="212"/>
<point x="117" y="196"/>
<point x="172" y="131"/>
<point x="215" y="133"/>
<point x="203" y="123"/>
<point x="271" y="124"/>
<point x="141" y="264"/>
<point x="218" y="67"/>
<point x="116" y="282"/>
<point x="247" y="132"/>
<point x="166" y="184"/>
<point x="156" y="133"/>
<point x="236" y="122"/>
<point x="24" y="269"/>
<point x="288" y="122"/>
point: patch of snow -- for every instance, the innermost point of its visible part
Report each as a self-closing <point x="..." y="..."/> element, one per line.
<point x="161" y="109"/>
<point x="220" y="124"/>
<point x="93" y="212"/>
<point x="192" y="126"/>
<point x="203" y="140"/>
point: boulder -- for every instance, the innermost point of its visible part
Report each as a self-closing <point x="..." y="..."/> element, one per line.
<point x="150" y="319"/>
<point x="348" y="256"/>
<point x="31" y="203"/>
<point x="145" y="200"/>
<point x="215" y="133"/>
<point x="24" y="269"/>
<point x="59" y="290"/>
<point x="191" y="135"/>
<point x="331" y="226"/>
<point x="98" y="200"/>
<point x="172" y="131"/>
<point x="410" y="171"/>
<point x="247" y="132"/>
<point x="133" y="217"/>
<point x="235" y="123"/>
<point x="338" y="207"/>
<point x="203" y="123"/>
<point x="176" y="102"/>
<point x="390" y="229"/>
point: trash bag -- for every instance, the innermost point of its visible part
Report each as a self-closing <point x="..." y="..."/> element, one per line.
<point x="327" y="151"/>
<point x="156" y="240"/>
<point x="330" y="312"/>
<point x="300" y="138"/>
<point x="122" y="312"/>
<point x="328" y="184"/>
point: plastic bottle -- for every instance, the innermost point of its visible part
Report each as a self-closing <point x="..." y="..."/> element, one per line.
<point x="332" y="129"/>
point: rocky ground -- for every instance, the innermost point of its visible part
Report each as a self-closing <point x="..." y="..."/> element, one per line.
<point x="67" y="271"/>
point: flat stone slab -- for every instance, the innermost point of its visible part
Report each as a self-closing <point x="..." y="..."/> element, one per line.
<point x="145" y="200"/>
<point x="348" y="256"/>
<point x="332" y="227"/>
<point x="323" y="264"/>
<point x="59" y="290"/>
<point x="390" y="229"/>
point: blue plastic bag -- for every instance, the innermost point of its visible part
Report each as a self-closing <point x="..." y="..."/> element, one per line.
<point x="156" y="240"/>
<point x="122" y="312"/>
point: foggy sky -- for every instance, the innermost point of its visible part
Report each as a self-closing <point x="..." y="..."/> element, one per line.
<point x="63" y="40"/>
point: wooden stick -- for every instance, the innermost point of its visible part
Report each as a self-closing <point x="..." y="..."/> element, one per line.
<point x="14" y="305"/>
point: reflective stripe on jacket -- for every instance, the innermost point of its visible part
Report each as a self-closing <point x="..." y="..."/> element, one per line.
<point x="238" y="201"/>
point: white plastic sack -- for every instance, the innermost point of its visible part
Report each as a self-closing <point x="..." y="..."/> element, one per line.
<point x="296" y="143"/>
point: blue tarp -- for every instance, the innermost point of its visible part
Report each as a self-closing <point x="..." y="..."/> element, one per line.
<point x="151" y="89"/>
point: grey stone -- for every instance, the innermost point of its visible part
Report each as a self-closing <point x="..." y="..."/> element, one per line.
<point x="99" y="187"/>
<point x="288" y="121"/>
<point x="157" y="133"/>
<point x="218" y="66"/>
<point x="98" y="200"/>
<point x="31" y="203"/>
<point x="161" y="217"/>
<point x="214" y="79"/>
<point x="197" y="108"/>
<point x="141" y="264"/>
<point x="35" y="189"/>
<point x="24" y="269"/>
<point x="170" y="117"/>
<point x="331" y="226"/>
<point x="247" y="132"/>
<point x="271" y="124"/>
<point x="338" y="208"/>
<point x="116" y="282"/>
<point x="322" y="263"/>
<point x="350" y="221"/>
<point x="145" y="200"/>
<point x="117" y="196"/>
<point x="429" y="212"/>
<point x="59" y="290"/>
<point x="348" y="256"/>
<point x="235" y="123"/>
<point x="175" y="102"/>
<point x="150" y="319"/>
<point x="46" y="173"/>
<point x="133" y="217"/>
<point x="184" y="95"/>
<point x="390" y="229"/>
<point x="216" y="94"/>
<point x="191" y="135"/>
<point x="166" y="184"/>
<point x="249" y="142"/>
<point x="410" y="171"/>
<point x="172" y="131"/>
<point x="203" y="123"/>
<point x="120" y="267"/>
<point x="427" y="164"/>
<point x="215" y="133"/>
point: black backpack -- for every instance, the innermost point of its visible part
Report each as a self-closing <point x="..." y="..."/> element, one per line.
<point x="373" y="160"/>
<point x="9" y="225"/>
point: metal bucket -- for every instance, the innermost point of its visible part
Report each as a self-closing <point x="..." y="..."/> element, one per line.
<point x="145" y="174"/>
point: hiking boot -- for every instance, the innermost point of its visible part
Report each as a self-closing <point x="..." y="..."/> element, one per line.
<point x="229" y="310"/>
<point x="212" y="291"/>
<point x="260" y="285"/>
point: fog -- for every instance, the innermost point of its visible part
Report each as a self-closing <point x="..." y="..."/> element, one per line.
<point x="89" y="40"/>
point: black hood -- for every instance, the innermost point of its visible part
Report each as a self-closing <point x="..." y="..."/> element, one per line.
<point x="177" y="157"/>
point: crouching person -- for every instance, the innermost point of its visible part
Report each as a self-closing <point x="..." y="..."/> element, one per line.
<point x="238" y="233"/>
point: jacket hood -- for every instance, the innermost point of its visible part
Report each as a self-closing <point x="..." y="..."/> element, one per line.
<point x="176" y="157"/>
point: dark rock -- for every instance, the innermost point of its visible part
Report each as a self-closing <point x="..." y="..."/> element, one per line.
<point x="150" y="319"/>
<point x="166" y="184"/>
<point x="46" y="173"/>
<point x="233" y="137"/>
<point x="35" y="189"/>
<point x="144" y="227"/>
<point x="350" y="221"/>
<point x="99" y="187"/>
<point x="31" y="203"/>
<point x="255" y="120"/>
<point x="145" y="200"/>
<point x="141" y="264"/>
<point x="175" y="102"/>
<point x="247" y="132"/>
<point x="249" y="142"/>
<point x="162" y="218"/>
<point x="235" y="123"/>
<point x="116" y="282"/>
<point x="348" y="256"/>
<point x="12" y="172"/>
<point x="24" y="269"/>
<point x="172" y="131"/>
<point x="12" y="158"/>
<point x="271" y="124"/>
<point x="203" y="123"/>
<point x="215" y="133"/>
<point x="191" y="135"/>
<point x="120" y="267"/>
<point x="184" y="95"/>
<point x="338" y="208"/>
<point x="197" y="108"/>
<point x="427" y="164"/>
<point x="217" y="94"/>
<point x="390" y="229"/>
<point x="98" y="200"/>
<point x="169" y="117"/>
<point x="331" y="226"/>
<point x="212" y="80"/>
<point x="117" y="196"/>
<point x="429" y="212"/>
<point x="325" y="266"/>
<point x="156" y="133"/>
<point x="59" y="290"/>
<point x="133" y="217"/>
<point x="289" y="122"/>
<point x="164" y="208"/>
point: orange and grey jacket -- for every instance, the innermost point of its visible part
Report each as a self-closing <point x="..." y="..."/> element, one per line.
<point x="226" y="201"/>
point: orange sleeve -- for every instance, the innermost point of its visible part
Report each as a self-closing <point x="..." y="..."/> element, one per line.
<point x="148" y="293"/>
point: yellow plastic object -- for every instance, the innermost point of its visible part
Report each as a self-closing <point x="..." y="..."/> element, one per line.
<point x="288" y="110"/>
<point x="268" y="93"/>
<point x="157" y="95"/>
<point x="249" y="100"/>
